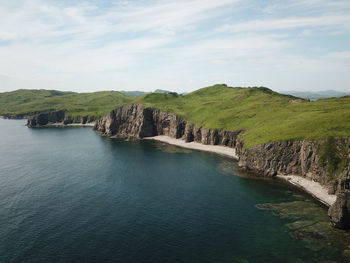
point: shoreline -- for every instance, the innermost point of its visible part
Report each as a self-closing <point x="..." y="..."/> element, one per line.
<point x="222" y="150"/>
<point x="61" y="124"/>
<point x="57" y="124"/>
<point x="315" y="189"/>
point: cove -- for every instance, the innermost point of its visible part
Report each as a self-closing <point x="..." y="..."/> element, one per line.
<point x="70" y="195"/>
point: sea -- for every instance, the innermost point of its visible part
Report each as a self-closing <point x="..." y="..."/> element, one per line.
<point x="70" y="195"/>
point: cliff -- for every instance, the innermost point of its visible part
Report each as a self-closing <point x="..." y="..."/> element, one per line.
<point x="136" y="121"/>
<point x="324" y="161"/>
<point x="57" y="117"/>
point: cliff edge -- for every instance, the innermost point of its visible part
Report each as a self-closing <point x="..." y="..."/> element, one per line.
<point x="324" y="161"/>
<point x="56" y="118"/>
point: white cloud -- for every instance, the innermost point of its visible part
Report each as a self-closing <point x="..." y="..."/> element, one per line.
<point x="83" y="46"/>
<point x="309" y="6"/>
<point x="231" y="49"/>
<point x="339" y="55"/>
<point x="38" y="21"/>
<point x="338" y="21"/>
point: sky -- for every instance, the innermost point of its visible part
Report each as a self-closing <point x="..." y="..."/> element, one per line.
<point x="178" y="45"/>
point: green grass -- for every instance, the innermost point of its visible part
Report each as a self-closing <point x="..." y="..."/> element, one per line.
<point x="75" y="104"/>
<point x="265" y="115"/>
<point x="11" y="100"/>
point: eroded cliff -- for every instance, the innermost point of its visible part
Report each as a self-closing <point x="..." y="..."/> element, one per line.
<point x="324" y="161"/>
<point x="57" y="117"/>
<point x="136" y="121"/>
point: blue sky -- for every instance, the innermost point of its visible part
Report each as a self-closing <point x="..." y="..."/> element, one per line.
<point x="177" y="45"/>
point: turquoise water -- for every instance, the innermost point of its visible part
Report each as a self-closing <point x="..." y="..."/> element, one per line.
<point x="70" y="195"/>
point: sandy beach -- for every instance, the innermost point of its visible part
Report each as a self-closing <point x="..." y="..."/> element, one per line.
<point x="314" y="188"/>
<point x="222" y="150"/>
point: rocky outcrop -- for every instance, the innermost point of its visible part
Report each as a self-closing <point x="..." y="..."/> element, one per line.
<point x="321" y="161"/>
<point x="339" y="212"/>
<point x="57" y="117"/>
<point x="306" y="158"/>
<point x="46" y="118"/>
<point x="137" y="121"/>
<point x="311" y="159"/>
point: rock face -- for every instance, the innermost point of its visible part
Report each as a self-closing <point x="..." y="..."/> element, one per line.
<point x="45" y="118"/>
<point x="56" y="117"/>
<point x="316" y="160"/>
<point x="303" y="158"/>
<point x="136" y="121"/>
<point x="339" y="212"/>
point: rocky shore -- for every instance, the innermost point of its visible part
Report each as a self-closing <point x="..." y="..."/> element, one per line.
<point x="310" y="160"/>
<point x="315" y="189"/>
<point x="221" y="150"/>
<point x="59" y="118"/>
<point x="315" y="166"/>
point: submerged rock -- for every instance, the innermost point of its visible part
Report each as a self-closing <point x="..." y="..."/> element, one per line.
<point x="308" y="223"/>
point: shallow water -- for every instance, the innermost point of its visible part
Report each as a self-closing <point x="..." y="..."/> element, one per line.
<point x="70" y="195"/>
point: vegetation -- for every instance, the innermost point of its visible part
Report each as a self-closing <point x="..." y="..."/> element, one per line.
<point x="264" y="115"/>
<point x="8" y="100"/>
<point x="333" y="156"/>
<point x="26" y="103"/>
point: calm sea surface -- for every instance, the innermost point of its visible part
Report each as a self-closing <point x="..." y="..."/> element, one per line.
<point x="70" y="195"/>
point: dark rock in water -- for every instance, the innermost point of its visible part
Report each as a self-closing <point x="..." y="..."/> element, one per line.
<point x="339" y="212"/>
<point x="308" y="223"/>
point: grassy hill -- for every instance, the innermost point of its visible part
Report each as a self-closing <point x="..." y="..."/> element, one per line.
<point x="14" y="98"/>
<point x="264" y="115"/>
<point x="27" y="102"/>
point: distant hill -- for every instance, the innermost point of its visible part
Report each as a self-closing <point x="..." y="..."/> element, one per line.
<point x="24" y="103"/>
<point x="142" y="93"/>
<point x="28" y="102"/>
<point x="134" y="93"/>
<point x="162" y="91"/>
<point x="317" y="95"/>
<point x="264" y="115"/>
<point x="24" y="96"/>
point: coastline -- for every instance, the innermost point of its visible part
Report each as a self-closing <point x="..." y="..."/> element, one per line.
<point x="315" y="189"/>
<point x="61" y="124"/>
<point x="222" y="150"/>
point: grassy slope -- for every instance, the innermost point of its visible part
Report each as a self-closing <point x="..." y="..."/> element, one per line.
<point x="10" y="100"/>
<point x="77" y="104"/>
<point x="265" y="115"/>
